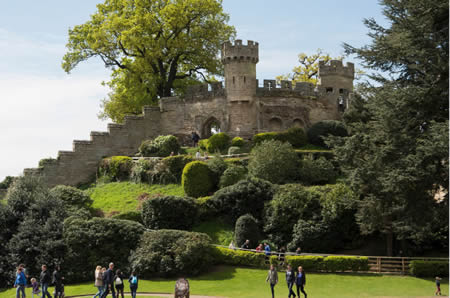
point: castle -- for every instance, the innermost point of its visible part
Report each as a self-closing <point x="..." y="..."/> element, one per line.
<point x="241" y="108"/>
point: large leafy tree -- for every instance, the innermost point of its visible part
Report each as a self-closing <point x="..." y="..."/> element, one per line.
<point x="152" y="47"/>
<point x="397" y="155"/>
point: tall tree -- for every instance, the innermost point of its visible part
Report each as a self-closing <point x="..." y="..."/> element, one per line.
<point x="397" y="155"/>
<point x="152" y="47"/>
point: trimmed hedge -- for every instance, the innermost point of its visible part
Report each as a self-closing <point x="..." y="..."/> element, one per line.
<point x="296" y="136"/>
<point x="428" y="268"/>
<point x="218" y="142"/>
<point x="264" y="136"/>
<point x="237" y="142"/>
<point x="116" y="167"/>
<point x="197" y="179"/>
<point x="234" y="150"/>
<point x="203" y="144"/>
<point x="226" y="256"/>
<point x="160" y="146"/>
<point x="175" y="164"/>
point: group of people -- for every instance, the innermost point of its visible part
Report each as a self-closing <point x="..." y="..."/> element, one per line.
<point x="45" y="280"/>
<point x="298" y="278"/>
<point x="106" y="280"/>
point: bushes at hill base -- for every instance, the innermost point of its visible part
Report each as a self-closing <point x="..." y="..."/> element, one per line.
<point x="232" y="175"/>
<point x="176" y="164"/>
<point x="152" y="171"/>
<point x="98" y="241"/>
<point x="72" y="196"/>
<point x="169" y="212"/>
<point x="171" y="253"/>
<point x="421" y="268"/>
<point x="274" y="161"/>
<point x="246" y="196"/>
<point x="217" y="166"/>
<point x="234" y="150"/>
<point x="226" y="256"/>
<point x="197" y="179"/>
<point x="116" y="168"/>
<point x="320" y="130"/>
<point x="246" y="228"/>
<point x="295" y="136"/>
<point x="317" y="171"/>
<point x="237" y="142"/>
<point x="218" y="142"/>
<point x="160" y="146"/>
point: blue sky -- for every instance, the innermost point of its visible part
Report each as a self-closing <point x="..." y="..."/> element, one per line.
<point x="42" y="109"/>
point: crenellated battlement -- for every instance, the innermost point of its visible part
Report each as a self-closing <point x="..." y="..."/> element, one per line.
<point x="336" y="67"/>
<point x="238" y="51"/>
<point x="301" y="89"/>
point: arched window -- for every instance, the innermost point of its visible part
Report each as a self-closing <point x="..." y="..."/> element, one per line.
<point x="275" y="124"/>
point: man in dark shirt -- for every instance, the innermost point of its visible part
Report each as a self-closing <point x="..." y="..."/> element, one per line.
<point x="45" y="280"/>
<point x="58" y="282"/>
<point x="246" y="244"/>
<point x="108" y="281"/>
<point x="195" y="138"/>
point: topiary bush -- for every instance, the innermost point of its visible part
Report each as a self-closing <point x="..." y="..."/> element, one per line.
<point x="197" y="179"/>
<point x="203" y="144"/>
<point x="237" y="142"/>
<point x="232" y="175"/>
<point x="217" y="166"/>
<point x="421" y="268"/>
<point x="247" y="228"/>
<point x="161" y="146"/>
<point x="116" y="168"/>
<point x="218" y="142"/>
<point x="176" y="164"/>
<point x="274" y="161"/>
<point x="72" y="196"/>
<point x="246" y="196"/>
<point x="130" y="215"/>
<point x="264" y="136"/>
<point x="172" y="253"/>
<point x="317" y="171"/>
<point x="296" y="136"/>
<point x="234" y="150"/>
<point x="226" y="256"/>
<point x="319" y="130"/>
<point x="169" y="212"/>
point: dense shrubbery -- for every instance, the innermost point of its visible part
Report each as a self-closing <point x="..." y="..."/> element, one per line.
<point x="428" y="268"/>
<point x="218" y="142"/>
<point x="317" y="171"/>
<point x="237" y="142"/>
<point x="225" y="256"/>
<point x="171" y="253"/>
<point x="197" y="179"/>
<point x="154" y="171"/>
<point x="129" y="215"/>
<point x="274" y="161"/>
<point x="161" y="146"/>
<point x="98" y="241"/>
<point x="116" y="168"/>
<point x="47" y="161"/>
<point x="232" y="175"/>
<point x="234" y="150"/>
<point x="71" y="196"/>
<point x="203" y="144"/>
<point x="319" y="130"/>
<point x="295" y="136"/>
<point x="6" y="182"/>
<point x="246" y="196"/>
<point x="246" y="228"/>
<point x="217" y="166"/>
<point x="176" y="164"/>
<point x="169" y="212"/>
<point x="264" y="136"/>
<point x="329" y="264"/>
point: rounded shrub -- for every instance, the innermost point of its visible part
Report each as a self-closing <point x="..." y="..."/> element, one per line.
<point x="117" y="168"/>
<point x="176" y="164"/>
<point x="169" y="212"/>
<point x="234" y="150"/>
<point x="161" y="146"/>
<point x="217" y="166"/>
<point x="237" y="142"/>
<point x="232" y="175"/>
<point x="319" y="130"/>
<point x="172" y="253"/>
<point x="296" y="136"/>
<point x="203" y="144"/>
<point x="129" y="215"/>
<point x="218" y="142"/>
<point x="71" y="196"/>
<point x="264" y="136"/>
<point x="197" y="179"/>
<point x="246" y="228"/>
<point x="274" y="161"/>
<point x="317" y="171"/>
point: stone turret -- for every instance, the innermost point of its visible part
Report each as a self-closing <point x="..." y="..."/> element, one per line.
<point x="240" y="69"/>
<point x="336" y="76"/>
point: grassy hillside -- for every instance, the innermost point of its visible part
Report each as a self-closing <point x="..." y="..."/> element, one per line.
<point x="118" y="197"/>
<point x="250" y="283"/>
<point x="220" y="232"/>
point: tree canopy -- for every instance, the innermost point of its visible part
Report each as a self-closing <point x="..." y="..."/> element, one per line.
<point x="152" y="47"/>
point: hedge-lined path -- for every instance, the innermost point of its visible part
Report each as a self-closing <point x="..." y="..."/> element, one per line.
<point x="151" y="295"/>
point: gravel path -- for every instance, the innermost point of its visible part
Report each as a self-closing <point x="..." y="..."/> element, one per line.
<point x="153" y="294"/>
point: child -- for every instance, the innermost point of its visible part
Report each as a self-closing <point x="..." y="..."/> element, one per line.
<point x="438" y="286"/>
<point x="133" y="280"/>
<point x="35" y="286"/>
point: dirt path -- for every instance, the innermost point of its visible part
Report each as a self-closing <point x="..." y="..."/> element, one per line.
<point x="152" y="294"/>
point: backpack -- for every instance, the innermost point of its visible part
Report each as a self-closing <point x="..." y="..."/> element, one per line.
<point x="118" y="281"/>
<point x="134" y="280"/>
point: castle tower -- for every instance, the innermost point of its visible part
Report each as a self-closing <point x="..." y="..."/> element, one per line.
<point x="335" y="76"/>
<point x="240" y="69"/>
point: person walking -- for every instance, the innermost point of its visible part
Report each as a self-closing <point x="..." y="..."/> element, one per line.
<point x="57" y="281"/>
<point x="195" y="138"/>
<point x="108" y="281"/>
<point x="290" y="278"/>
<point x="98" y="274"/>
<point x="25" y="271"/>
<point x="272" y="278"/>
<point x="438" y="286"/>
<point x="133" y="280"/>
<point x="20" y="282"/>
<point x="118" y="280"/>
<point x="300" y="281"/>
<point x="35" y="288"/>
<point x="45" y="280"/>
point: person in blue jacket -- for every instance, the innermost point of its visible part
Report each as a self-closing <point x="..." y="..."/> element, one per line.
<point x="133" y="284"/>
<point x="20" y="283"/>
<point x="300" y="281"/>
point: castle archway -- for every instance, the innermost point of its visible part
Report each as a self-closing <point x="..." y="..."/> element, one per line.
<point x="210" y="127"/>
<point x="275" y="124"/>
<point x="297" y="123"/>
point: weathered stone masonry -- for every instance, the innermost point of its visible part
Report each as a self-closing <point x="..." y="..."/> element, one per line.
<point x="241" y="108"/>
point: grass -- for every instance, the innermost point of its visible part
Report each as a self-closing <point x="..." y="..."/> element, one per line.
<point x="220" y="232"/>
<point x="250" y="283"/>
<point x="119" y="197"/>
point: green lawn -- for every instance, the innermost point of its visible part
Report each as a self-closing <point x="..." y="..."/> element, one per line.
<point x="249" y="283"/>
<point x="122" y="196"/>
<point x="220" y="232"/>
